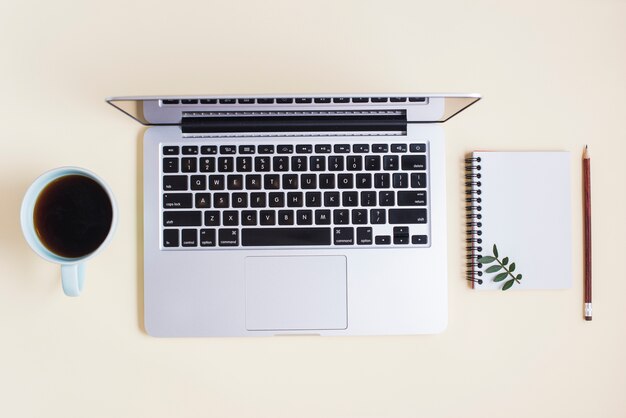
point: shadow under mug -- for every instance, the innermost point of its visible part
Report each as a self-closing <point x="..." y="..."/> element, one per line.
<point x="72" y="269"/>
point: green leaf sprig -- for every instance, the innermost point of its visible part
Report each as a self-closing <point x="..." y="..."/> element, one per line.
<point x="502" y="265"/>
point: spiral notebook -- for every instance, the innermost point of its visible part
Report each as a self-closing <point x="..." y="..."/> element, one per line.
<point x="521" y="203"/>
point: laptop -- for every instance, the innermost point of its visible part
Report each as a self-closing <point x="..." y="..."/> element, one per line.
<point x="294" y="214"/>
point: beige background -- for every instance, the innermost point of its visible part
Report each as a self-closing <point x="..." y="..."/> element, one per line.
<point x="552" y="74"/>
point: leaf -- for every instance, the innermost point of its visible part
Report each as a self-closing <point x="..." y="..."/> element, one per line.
<point x="495" y="250"/>
<point x="493" y="269"/>
<point x="486" y="259"/>
<point x="505" y="261"/>
<point x="508" y="284"/>
<point x="512" y="267"/>
<point x="500" y="277"/>
<point x="518" y="277"/>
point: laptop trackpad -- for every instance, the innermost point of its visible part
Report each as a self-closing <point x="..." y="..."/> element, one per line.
<point x="296" y="293"/>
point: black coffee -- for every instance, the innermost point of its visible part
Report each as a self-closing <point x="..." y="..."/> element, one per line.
<point x="73" y="216"/>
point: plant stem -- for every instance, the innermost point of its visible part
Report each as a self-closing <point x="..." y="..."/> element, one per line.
<point x="507" y="270"/>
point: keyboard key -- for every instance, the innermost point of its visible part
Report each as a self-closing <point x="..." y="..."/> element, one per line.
<point x="327" y="181"/>
<point x="418" y="180"/>
<point x="360" y="99"/>
<point x="221" y="200"/>
<point x="379" y="100"/>
<point x="170" y="238"/>
<point x="277" y="200"/>
<point x="378" y="216"/>
<point x="398" y="148"/>
<point x="170" y="101"/>
<point x="271" y="181"/>
<point x="234" y="182"/>
<point x="331" y="199"/>
<point x="211" y="218"/>
<point x="225" y="164"/>
<point x="244" y="164"/>
<point x="285" y="217"/>
<point x="230" y="218"/>
<point x="341" y="148"/>
<point x="258" y="200"/>
<point x="189" y="237"/>
<point x="267" y="217"/>
<point x="228" y="237"/>
<point x="216" y="182"/>
<point x="411" y="198"/>
<point x="170" y="165"/>
<point x="414" y="162"/>
<point x="359" y="216"/>
<point x="419" y="239"/>
<point x="177" y="200"/>
<point x="341" y="216"/>
<point x="401" y="235"/>
<point x="383" y="240"/>
<point x="246" y="149"/>
<point x="203" y="200"/>
<point x="400" y="180"/>
<point x="298" y="163"/>
<point x="354" y="163"/>
<point x="295" y="199"/>
<point x="262" y="164"/>
<point x="344" y="236"/>
<point x="190" y="150"/>
<point x="364" y="235"/>
<point x="417" y="147"/>
<point x="322" y="217"/>
<point x="304" y="217"/>
<point x="364" y="181"/>
<point x="189" y="165"/>
<point x="239" y="200"/>
<point x="207" y="164"/>
<point x="318" y="163"/>
<point x="335" y="163"/>
<point x="380" y="148"/>
<point x="265" y="101"/>
<point x="341" y="100"/>
<point x="322" y="148"/>
<point x="198" y="182"/>
<point x="313" y="199"/>
<point x="285" y="236"/>
<point x="284" y="100"/>
<point x="182" y="218"/>
<point x="265" y="149"/>
<point x="386" y="198"/>
<point x="227" y="101"/>
<point x="228" y="149"/>
<point x="372" y="162"/>
<point x="207" y="238"/>
<point x="281" y="163"/>
<point x="245" y="101"/>
<point x="170" y="150"/>
<point x="345" y="181"/>
<point x="381" y="181"/>
<point x="208" y="101"/>
<point x="175" y="183"/>
<point x="208" y="149"/>
<point x="290" y="181"/>
<point x="368" y="198"/>
<point x="390" y="162"/>
<point x="284" y="149"/>
<point x="302" y="100"/>
<point x="397" y="99"/>
<point x="360" y="148"/>
<point x="350" y="199"/>
<point x="248" y="217"/>
<point x="407" y="216"/>
<point x="308" y="181"/>
<point x="304" y="149"/>
<point x="417" y="99"/>
<point x="322" y="100"/>
<point x="253" y="182"/>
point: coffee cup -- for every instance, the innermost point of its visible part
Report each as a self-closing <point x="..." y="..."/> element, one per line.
<point x="68" y="216"/>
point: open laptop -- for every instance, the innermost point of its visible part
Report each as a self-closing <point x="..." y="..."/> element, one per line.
<point x="294" y="214"/>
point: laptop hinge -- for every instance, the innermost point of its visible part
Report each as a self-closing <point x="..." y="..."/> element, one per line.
<point x="295" y="122"/>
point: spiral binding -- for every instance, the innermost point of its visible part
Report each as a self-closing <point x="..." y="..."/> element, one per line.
<point x="473" y="217"/>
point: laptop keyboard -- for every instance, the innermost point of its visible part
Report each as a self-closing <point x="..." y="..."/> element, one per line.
<point x="306" y="195"/>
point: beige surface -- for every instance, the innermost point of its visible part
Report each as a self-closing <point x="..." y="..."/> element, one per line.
<point x="553" y="77"/>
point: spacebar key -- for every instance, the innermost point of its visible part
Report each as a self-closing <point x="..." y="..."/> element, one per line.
<point x="284" y="236"/>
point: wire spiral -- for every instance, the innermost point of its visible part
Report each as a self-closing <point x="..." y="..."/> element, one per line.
<point x="473" y="216"/>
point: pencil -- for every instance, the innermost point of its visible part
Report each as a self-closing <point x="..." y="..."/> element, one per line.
<point x="587" y="233"/>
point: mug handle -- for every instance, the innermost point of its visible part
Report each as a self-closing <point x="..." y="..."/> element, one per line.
<point x="73" y="278"/>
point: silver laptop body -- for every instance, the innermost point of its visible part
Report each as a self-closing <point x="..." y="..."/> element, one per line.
<point x="298" y="214"/>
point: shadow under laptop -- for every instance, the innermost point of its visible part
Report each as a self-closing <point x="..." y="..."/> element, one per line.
<point x="139" y="223"/>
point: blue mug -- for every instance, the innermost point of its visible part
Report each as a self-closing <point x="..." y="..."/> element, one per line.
<point x="72" y="268"/>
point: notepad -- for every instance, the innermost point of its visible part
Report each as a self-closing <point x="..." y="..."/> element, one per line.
<point x="521" y="202"/>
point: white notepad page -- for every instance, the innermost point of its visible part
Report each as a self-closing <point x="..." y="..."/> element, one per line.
<point x="526" y="210"/>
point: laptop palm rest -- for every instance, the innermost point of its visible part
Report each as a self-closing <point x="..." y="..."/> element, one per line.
<point x="296" y="293"/>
